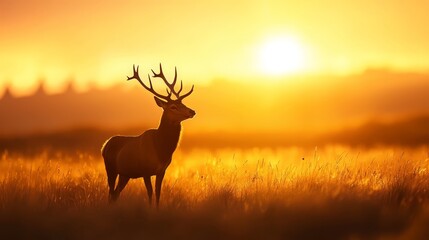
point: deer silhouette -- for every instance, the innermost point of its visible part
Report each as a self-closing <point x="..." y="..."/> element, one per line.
<point x="150" y="153"/>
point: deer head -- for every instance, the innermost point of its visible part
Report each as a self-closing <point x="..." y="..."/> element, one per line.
<point x="174" y="109"/>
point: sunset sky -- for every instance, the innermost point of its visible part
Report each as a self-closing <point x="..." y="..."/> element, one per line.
<point x="96" y="42"/>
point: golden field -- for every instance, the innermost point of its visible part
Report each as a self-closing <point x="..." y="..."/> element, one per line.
<point x="271" y="193"/>
<point x="268" y="75"/>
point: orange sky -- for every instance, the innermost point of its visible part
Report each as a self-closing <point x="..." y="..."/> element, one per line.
<point x="98" y="41"/>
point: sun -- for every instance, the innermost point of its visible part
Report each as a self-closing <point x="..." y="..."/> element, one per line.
<point x="281" y="56"/>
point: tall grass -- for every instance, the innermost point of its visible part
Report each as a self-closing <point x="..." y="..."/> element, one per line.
<point x="285" y="193"/>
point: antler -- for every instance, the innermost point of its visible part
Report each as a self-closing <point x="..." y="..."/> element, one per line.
<point x="170" y="86"/>
<point x="170" y="89"/>
<point x="185" y="95"/>
<point x="161" y="75"/>
<point x="150" y="88"/>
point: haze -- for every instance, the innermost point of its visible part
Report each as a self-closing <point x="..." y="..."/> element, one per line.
<point x="95" y="43"/>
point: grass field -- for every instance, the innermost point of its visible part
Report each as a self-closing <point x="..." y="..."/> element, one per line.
<point x="284" y="193"/>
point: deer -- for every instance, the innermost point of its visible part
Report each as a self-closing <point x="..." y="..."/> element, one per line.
<point x="149" y="154"/>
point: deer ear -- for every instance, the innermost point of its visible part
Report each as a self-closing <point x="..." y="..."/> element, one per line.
<point x="159" y="102"/>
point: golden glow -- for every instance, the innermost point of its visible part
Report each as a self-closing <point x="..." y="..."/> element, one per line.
<point x="281" y="55"/>
<point x="206" y="40"/>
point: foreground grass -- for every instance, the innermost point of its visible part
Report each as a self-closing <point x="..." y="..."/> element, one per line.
<point x="333" y="193"/>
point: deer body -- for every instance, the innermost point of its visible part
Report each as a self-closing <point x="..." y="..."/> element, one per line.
<point x="138" y="158"/>
<point x="150" y="153"/>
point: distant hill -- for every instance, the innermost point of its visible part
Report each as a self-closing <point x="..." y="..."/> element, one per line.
<point x="407" y="132"/>
<point x="108" y="108"/>
<point x="411" y="132"/>
<point x="305" y="106"/>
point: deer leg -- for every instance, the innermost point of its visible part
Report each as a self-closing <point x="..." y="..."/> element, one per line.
<point x="111" y="180"/>
<point x="158" y="185"/>
<point x="149" y="189"/>
<point x="121" y="185"/>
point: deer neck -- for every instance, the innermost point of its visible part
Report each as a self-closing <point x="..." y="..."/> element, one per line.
<point x="167" y="137"/>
